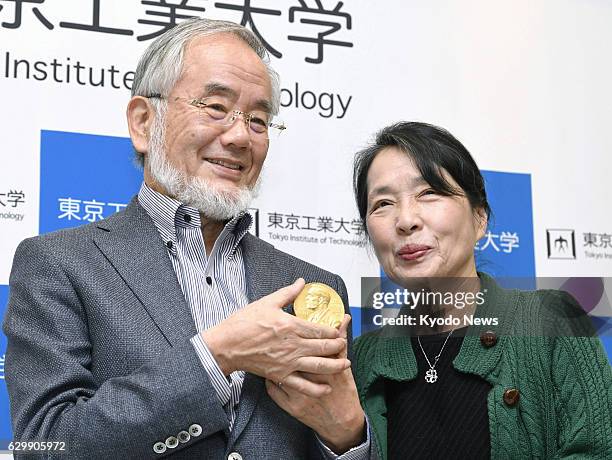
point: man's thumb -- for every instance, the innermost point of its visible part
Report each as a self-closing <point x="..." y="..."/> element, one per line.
<point x="287" y="294"/>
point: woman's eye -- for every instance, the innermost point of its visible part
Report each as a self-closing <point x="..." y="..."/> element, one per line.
<point x="380" y="204"/>
<point x="429" y="191"/>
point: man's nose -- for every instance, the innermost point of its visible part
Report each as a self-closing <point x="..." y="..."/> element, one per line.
<point x="238" y="131"/>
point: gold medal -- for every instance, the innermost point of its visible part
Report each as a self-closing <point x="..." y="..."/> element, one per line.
<point x="318" y="303"/>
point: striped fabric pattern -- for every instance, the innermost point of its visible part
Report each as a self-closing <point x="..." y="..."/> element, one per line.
<point x="217" y="280"/>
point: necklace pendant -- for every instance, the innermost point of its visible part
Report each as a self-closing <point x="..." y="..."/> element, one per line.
<point x="431" y="376"/>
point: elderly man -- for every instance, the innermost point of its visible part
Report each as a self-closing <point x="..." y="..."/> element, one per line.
<point x="161" y="330"/>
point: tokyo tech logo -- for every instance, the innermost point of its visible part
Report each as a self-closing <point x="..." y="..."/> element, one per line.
<point x="84" y="178"/>
<point x="561" y="243"/>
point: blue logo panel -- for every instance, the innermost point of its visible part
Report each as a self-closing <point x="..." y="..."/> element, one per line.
<point x="5" y="419"/>
<point x="507" y="249"/>
<point x="84" y="178"/>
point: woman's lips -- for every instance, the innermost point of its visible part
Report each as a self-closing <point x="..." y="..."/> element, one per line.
<point x="413" y="251"/>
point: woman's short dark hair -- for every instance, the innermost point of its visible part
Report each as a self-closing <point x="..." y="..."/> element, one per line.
<point x="433" y="149"/>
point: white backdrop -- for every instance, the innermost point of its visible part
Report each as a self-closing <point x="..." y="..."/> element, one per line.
<point x="524" y="85"/>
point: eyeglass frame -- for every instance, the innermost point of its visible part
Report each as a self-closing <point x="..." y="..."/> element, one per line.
<point x="198" y="102"/>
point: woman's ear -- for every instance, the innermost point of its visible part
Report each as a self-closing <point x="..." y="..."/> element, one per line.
<point x="481" y="221"/>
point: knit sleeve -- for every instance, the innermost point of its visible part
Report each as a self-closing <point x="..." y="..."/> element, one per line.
<point x="583" y="386"/>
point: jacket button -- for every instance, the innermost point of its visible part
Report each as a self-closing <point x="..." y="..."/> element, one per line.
<point x="195" y="430"/>
<point x="183" y="436"/>
<point x="488" y="339"/>
<point x="171" y="442"/>
<point x="159" y="448"/>
<point x="511" y="397"/>
<point x="234" y="456"/>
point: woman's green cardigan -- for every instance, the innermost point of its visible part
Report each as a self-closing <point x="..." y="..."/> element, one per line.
<point x="545" y="349"/>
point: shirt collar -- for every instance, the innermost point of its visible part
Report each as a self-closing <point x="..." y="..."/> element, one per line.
<point x="168" y="213"/>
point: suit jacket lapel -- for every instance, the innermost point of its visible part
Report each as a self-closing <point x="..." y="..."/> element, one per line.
<point x="263" y="271"/>
<point x="262" y="276"/>
<point x="132" y="244"/>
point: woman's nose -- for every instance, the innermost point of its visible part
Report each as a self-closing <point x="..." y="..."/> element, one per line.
<point x="408" y="219"/>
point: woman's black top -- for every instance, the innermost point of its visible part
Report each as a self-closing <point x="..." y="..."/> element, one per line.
<point x="446" y="419"/>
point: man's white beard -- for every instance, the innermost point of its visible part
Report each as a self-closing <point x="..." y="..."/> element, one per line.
<point x="196" y="192"/>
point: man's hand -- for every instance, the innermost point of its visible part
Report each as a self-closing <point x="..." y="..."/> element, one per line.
<point x="264" y="340"/>
<point x="337" y="416"/>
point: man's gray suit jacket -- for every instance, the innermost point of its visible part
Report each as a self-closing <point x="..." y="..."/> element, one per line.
<point x="99" y="354"/>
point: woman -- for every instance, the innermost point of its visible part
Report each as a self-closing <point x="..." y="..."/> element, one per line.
<point x="511" y="389"/>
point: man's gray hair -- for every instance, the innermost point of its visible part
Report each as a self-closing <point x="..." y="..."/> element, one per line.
<point x="161" y="65"/>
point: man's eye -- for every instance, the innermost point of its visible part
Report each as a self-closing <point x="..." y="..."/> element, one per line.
<point x="429" y="191"/>
<point x="258" y="125"/>
<point x="215" y="110"/>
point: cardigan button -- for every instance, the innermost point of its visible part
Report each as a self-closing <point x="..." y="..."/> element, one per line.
<point x="488" y="339"/>
<point x="511" y="397"/>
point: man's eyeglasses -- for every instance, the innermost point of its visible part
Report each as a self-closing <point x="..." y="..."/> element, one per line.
<point x="216" y="113"/>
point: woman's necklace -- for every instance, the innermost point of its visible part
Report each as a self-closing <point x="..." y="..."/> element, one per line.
<point x="432" y="375"/>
